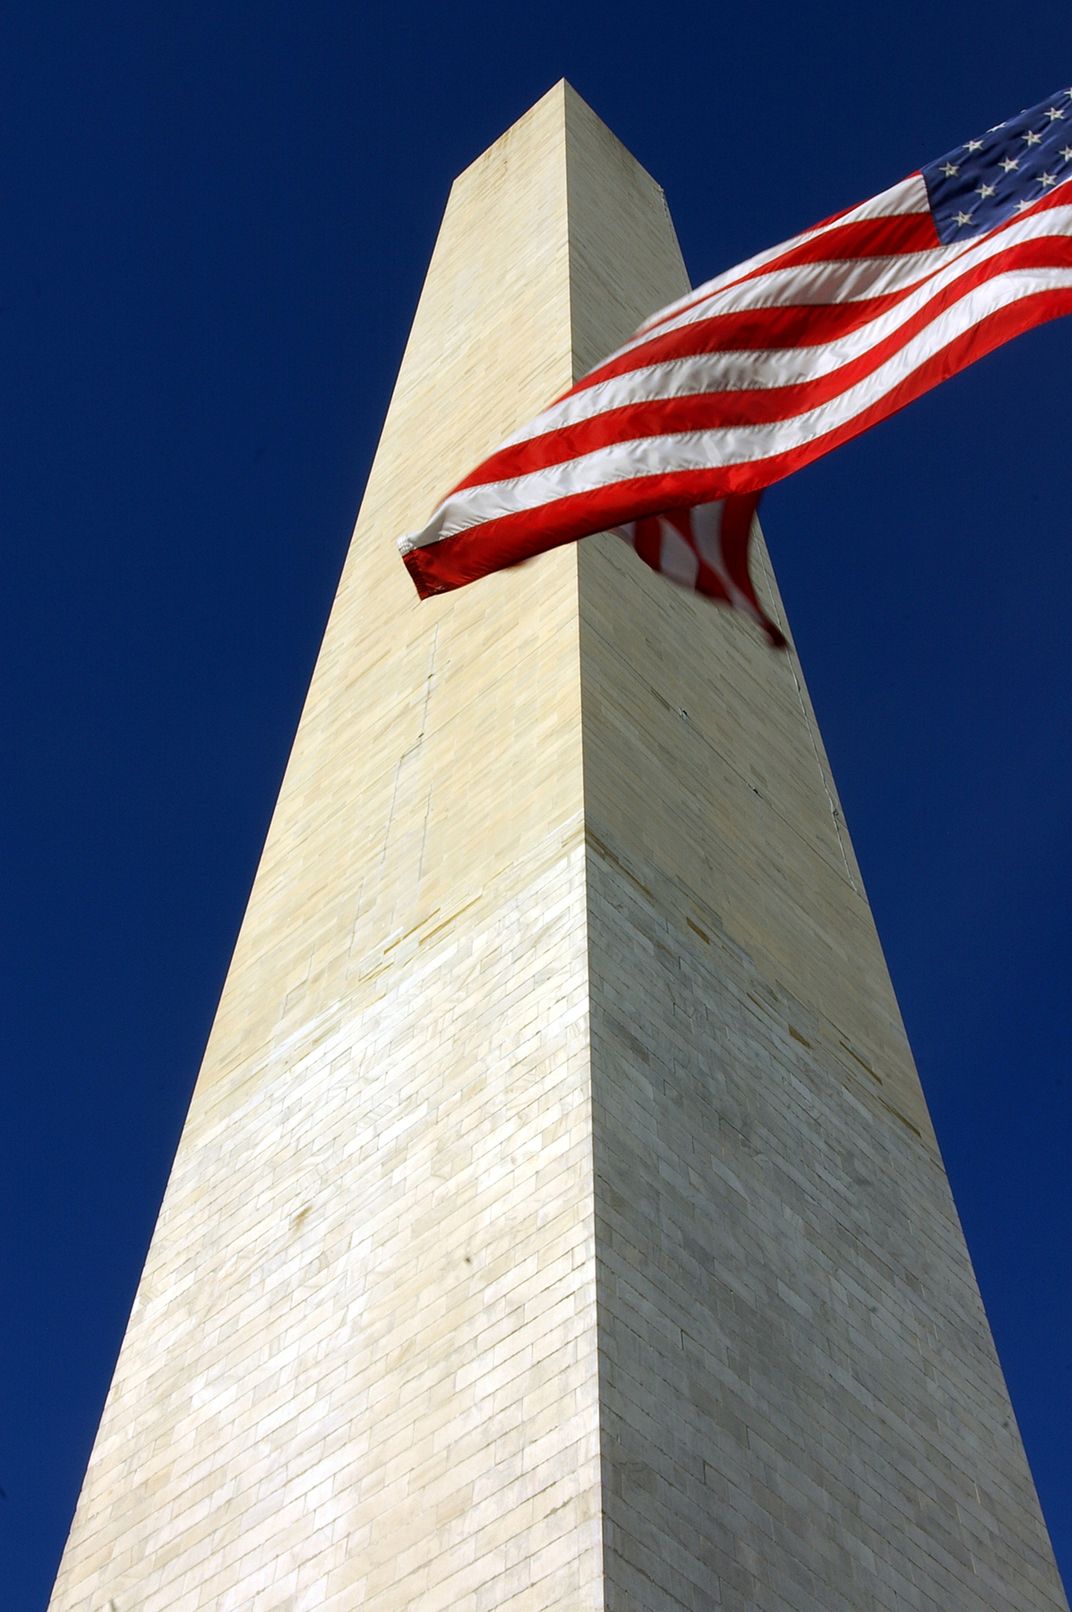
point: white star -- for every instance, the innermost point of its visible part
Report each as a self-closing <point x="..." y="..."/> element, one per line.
<point x="962" y="218"/>
<point x="984" y="191"/>
<point x="1022" y="206"/>
<point x="1066" y="152"/>
<point x="974" y="145"/>
<point x="950" y="170"/>
<point x="1010" y="164"/>
<point x="1053" y="113"/>
<point x="1032" y="139"/>
<point x="1046" y="180"/>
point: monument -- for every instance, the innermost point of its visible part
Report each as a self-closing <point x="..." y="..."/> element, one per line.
<point x="557" y="1223"/>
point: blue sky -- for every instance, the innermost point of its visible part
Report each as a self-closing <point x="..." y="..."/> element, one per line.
<point x="218" y="220"/>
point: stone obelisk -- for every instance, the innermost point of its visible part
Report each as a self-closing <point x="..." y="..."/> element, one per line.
<point x="558" y="1223"/>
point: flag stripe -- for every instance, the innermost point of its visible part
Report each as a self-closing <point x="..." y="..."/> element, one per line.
<point x="456" y="558"/>
<point x="909" y="196"/>
<point x="771" y="364"/>
<point x="705" y="549"/>
<point x="731" y="450"/>
<point x="690" y="309"/>
<point x="782" y="383"/>
<point x="814" y="287"/>
<point x="818" y="291"/>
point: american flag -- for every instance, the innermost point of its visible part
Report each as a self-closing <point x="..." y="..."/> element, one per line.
<point x="672" y="438"/>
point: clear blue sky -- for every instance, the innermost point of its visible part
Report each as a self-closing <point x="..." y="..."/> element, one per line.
<point x="217" y="222"/>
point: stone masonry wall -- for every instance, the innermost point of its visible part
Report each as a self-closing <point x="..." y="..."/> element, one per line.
<point x="801" y="1408"/>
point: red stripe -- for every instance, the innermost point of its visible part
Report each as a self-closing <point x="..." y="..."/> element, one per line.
<point x="798" y="324"/>
<point x="736" y="533"/>
<point x="993" y="331"/>
<point x="1052" y="198"/>
<point x="890" y="236"/>
<point x="762" y="406"/>
<point x="650" y="351"/>
<point x="647" y="540"/>
<point x="648" y="545"/>
<point x="463" y="558"/>
<point x="893" y="235"/>
<point x="735" y="536"/>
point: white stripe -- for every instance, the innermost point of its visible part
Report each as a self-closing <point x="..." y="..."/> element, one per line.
<point x="756" y="369"/>
<point x="705" y="521"/>
<point x="832" y="280"/>
<point x="839" y="279"/>
<point x="908" y="196"/>
<point x="677" y="559"/>
<point x="721" y="446"/>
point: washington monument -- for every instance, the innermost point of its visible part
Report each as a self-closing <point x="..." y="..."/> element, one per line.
<point x="558" y="1225"/>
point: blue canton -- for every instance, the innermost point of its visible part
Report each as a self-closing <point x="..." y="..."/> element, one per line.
<point x="981" y="184"/>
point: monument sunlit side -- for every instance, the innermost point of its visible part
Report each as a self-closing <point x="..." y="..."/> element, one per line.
<point x="557" y="1223"/>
